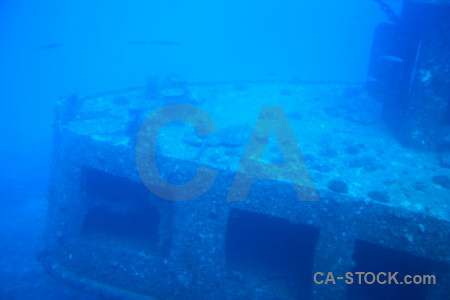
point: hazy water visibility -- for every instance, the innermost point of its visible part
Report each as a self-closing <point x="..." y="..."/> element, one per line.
<point x="49" y="48"/>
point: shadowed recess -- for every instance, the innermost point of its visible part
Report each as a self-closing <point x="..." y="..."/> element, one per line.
<point x="374" y="258"/>
<point x="120" y="213"/>
<point x="270" y="253"/>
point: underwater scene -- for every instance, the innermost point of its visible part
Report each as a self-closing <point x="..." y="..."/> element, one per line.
<point x="225" y="149"/>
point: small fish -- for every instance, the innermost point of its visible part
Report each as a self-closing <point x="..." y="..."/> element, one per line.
<point x="153" y="43"/>
<point x="50" y="46"/>
<point x="392" y="58"/>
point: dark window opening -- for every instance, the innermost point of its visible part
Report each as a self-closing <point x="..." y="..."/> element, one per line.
<point x="375" y="258"/>
<point x="120" y="213"/>
<point x="270" y="253"/>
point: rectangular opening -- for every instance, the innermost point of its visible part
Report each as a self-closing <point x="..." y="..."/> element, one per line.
<point x="374" y="258"/>
<point x="270" y="253"/>
<point x="120" y="213"/>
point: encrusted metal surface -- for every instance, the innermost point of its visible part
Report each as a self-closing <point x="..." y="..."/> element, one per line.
<point x="190" y="259"/>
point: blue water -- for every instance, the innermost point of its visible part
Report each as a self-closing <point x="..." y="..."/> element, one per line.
<point x="52" y="48"/>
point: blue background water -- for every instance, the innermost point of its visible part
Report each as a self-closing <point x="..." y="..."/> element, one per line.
<point x="49" y="48"/>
